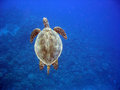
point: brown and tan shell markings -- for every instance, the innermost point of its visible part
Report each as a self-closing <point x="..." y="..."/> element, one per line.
<point x="48" y="46"/>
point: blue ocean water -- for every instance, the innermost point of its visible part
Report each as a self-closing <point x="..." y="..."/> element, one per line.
<point x="90" y="59"/>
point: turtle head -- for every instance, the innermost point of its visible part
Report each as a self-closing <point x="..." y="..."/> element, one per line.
<point x="45" y="22"/>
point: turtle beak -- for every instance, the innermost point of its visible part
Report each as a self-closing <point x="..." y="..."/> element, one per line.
<point x="45" y="20"/>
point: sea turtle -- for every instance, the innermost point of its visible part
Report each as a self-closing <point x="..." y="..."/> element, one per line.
<point x="48" y="45"/>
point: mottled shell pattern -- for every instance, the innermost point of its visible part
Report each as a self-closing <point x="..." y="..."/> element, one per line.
<point x="48" y="46"/>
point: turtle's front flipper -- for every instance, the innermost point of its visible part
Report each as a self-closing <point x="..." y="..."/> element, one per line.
<point x="41" y="65"/>
<point x="55" y="64"/>
<point x="34" y="33"/>
<point x="60" y="31"/>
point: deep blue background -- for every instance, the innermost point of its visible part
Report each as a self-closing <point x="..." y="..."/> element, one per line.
<point x="90" y="59"/>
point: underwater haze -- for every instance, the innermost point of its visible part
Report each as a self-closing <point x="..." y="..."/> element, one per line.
<point x="90" y="59"/>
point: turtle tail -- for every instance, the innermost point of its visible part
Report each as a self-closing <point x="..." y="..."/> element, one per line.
<point x="48" y="69"/>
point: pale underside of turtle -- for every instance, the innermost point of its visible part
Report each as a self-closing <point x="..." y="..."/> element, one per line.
<point x="48" y="45"/>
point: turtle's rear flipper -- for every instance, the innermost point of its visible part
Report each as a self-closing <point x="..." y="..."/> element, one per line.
<point x="55" y="64"/>
<point x="60" y="31"/>
<point x="34" y="34"/>
<point x="41" y="65"/>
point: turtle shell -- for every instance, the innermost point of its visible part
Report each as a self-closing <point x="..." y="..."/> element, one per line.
<point x="48" y="46"/>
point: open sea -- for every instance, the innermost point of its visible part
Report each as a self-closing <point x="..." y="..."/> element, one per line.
<point x="90" y="59"/>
